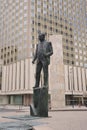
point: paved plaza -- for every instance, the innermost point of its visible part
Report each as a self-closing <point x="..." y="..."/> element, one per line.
<point x="64" y="119"/>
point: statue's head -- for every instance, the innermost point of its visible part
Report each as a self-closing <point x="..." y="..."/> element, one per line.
<point x="42" y="36"/>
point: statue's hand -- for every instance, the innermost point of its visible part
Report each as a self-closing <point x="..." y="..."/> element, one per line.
<point x="45" y="54"/>
<point x="48" y="54"/>
<point x="33" y="62"/>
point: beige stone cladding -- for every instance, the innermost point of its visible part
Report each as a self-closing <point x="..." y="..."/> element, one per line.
<point x="16" y="78"/>
<point x="66" y="81"/>
<point x="57" y="73"/>
<point x="75" y="80"/>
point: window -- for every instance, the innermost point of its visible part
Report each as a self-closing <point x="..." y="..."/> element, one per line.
<point x="45" y="26"/>
<point x="15" y="50"/>
<point x="11" y="59"/>
<point x="75" y="43"/>
<point x="71" y="42"/>
<point x="80" y="57"/>
<point x="56" y="30"/>
<point x="38" y="16"/>
<point x="70" y="29"/>
<point x="77" y="63"/>
<point x="32" y="37"/>
<point x="66" y="34"/>
<point x="50" y="1"/>
<point x="8" y="53"/>
<point x="67" y="54"/>
<point x="71" y="49"/>
<point x="25" y="15"/>
<point x="33" y="0"/>
<point x="86" y="86"/>
<point x="4" y="62"/>
<point x="81" y="64"/>
<point x="38" y="2"/>
<point x="76" y="50"/>
<point x="11" y="52"/>
<point x="17" y="1"/>
<point x="56" y="24"/>
<point x="72" y="55"/>
<point x="15" y="58"/>
<point x="84" y="53"/>
<point x="21" y="3"/>
<point x="66" y="40"/>
<point x="25" y="0"/>
<point x="39" y="24"/>
<point x="51" y="28"/>
<point x="61" y="32"/>
<point x="7" y="60"/>
<point x="67" y="47"/>
<point x="85" y="59"/>
<point x="76" y="56"/>
<point x="1" y="56"/>
<point x="1" y="50"/>
<point x="67" y="61"/>
<point x="32" y="29"/>
<point x="61" y="25"/>
<point x="71" y="36"/>
<point x="51" y="21"/>
<point x="4" y="55"/>
<point x="50" y="8"/>
<point x="80" y="51"/>
<point x="39" y="10"/>
<point x="33" y="14"/>
<point x="25" y="22"/>
<point x="0" y="86"/>
<point x="25" y="30"/>
<point x="25" y="7"/>
<point x="72" y="62"/>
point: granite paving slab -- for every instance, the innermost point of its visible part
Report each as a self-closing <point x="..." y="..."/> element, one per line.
<point x="20" y="125"/>
<point x="26" y="119"/>
<point x="22" y="117"/>
<point x="7" y="110"/>
<point x="15" y="126"/>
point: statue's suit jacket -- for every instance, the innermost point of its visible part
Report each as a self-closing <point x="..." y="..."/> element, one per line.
<point x="47" y="51"/>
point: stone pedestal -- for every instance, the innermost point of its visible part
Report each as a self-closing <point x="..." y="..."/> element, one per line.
<point x="40" y="100"/>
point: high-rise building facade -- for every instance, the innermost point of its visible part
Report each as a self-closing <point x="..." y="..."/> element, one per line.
<point x="20" y="21"/>
<point x="86" y="22"/>
<point x="45" y="15"/>
<point x="14" y="28"/>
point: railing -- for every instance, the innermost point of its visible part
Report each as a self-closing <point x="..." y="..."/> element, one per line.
<point x="78" y="102"/>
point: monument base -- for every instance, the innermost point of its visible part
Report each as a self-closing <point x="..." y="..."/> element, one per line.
<point x="40" y="101"/>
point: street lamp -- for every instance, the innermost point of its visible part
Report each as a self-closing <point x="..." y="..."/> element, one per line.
<point x="71" y="78"/>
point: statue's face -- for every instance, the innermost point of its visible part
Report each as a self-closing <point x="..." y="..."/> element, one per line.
<point x="41" y="37"/>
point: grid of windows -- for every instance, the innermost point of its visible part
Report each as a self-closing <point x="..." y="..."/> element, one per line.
<point x="20" y="21"/>
<point x="57" y="17"/>
<point x="13" y="28"/>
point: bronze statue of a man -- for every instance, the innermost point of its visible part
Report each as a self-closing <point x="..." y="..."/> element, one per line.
<point x="43" y="52"/>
